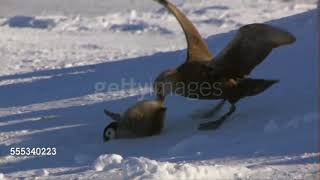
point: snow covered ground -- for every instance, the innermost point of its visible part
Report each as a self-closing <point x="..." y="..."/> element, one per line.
<point x="55" y="59"/>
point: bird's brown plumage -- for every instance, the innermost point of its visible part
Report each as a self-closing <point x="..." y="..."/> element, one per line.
<point x="250" y="46"/>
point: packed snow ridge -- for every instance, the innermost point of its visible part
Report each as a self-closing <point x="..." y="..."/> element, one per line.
<point x="144" y="168"/>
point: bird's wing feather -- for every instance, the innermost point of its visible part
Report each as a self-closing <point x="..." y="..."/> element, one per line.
<point x="197" y="48"/>
<point x="250" y="46"/>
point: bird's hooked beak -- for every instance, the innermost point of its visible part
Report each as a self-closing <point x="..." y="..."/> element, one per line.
<point x="164" y="84"/>
<point x="159" y="90"/>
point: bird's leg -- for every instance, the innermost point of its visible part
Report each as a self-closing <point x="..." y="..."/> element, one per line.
<point x="216" y="124"/>
<point x="211" y="112"/>
<point x="214" y="110"/>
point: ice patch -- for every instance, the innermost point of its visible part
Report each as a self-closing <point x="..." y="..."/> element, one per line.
<point x="29" y="22"/>
<point x="215" y="8"/>
<point x="139" y="27"/>
<point x="91" y="46"/>
<point x="107" y="161"/>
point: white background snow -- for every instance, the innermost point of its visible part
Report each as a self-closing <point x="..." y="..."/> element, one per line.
<point x="54" y="53"/>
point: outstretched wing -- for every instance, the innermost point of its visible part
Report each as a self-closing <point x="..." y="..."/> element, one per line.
<point x="251" y="45"/>
<point x="197" y="48"/>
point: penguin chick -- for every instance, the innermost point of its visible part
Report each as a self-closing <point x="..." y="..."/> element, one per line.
<point x="145" y="118"/>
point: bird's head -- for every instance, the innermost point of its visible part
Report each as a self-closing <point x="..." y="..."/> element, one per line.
<point x="165" y="83"/>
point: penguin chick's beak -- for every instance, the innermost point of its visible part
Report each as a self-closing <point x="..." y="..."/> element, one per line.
<point x="106" y="139"/>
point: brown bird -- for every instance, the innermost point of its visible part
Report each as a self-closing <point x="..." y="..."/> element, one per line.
<point x="224" y="76"/>
<point x="145" y="118"/>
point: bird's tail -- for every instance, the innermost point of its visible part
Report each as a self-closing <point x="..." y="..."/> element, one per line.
<point x="253" y="87"/>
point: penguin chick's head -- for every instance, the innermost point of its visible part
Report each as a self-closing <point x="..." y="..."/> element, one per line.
<point x="110" y="131"/>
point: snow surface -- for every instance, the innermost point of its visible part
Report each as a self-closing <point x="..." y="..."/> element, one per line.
<point x="57" y="61"/>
